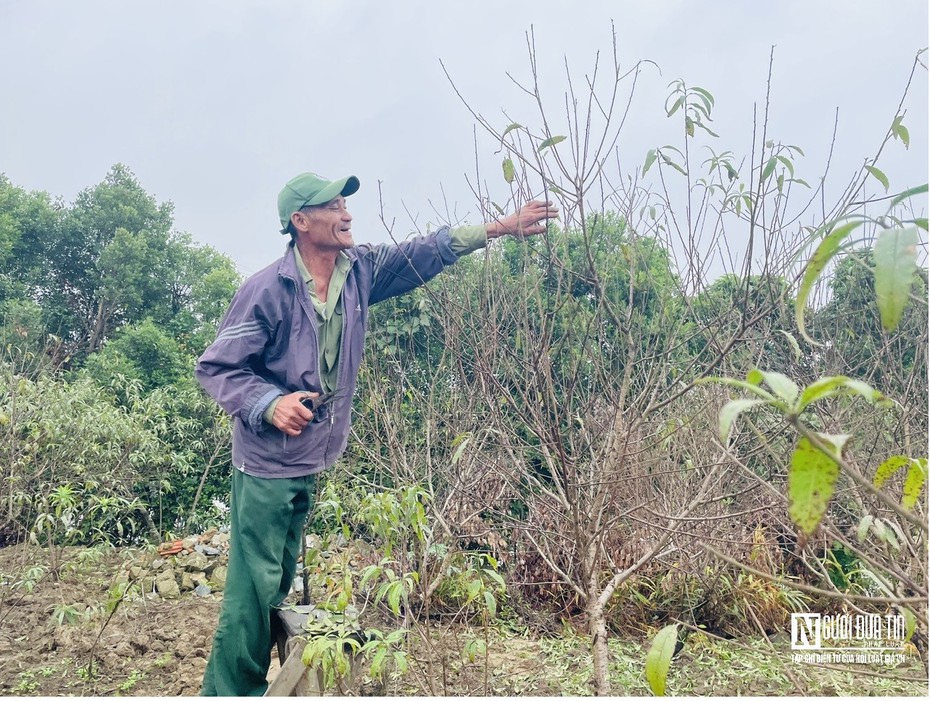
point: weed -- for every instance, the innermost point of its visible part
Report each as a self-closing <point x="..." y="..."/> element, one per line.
<point x="164" y="659"/>
<point x="26" y="683"/>
<point x="134" y="678"/>
<point x="65" y="614"/>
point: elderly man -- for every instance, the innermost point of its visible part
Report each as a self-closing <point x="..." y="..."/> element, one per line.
<point x="293" y="332"/>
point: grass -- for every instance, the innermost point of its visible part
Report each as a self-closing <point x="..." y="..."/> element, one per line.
<point x="713" y="667"/>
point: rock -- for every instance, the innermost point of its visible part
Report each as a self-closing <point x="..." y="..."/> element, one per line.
<point x="196" y="562"/>
<point x="187" y="582"/>
<point x="167" y="588"/>
<point x="203" y="590"/>
<point x="210" y="551"/>
<point x="219" y="578"/>
<point x="208" y="534"/>
<point x="220" y="539"/>
<point x="190" y="543"/>
<point x="164" y="575"/>
<point x="199" y="577"/>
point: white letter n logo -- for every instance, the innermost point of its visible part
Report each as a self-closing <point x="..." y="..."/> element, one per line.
<point x="805" y="631"/>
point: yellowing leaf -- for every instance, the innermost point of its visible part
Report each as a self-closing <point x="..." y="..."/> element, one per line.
<point x="552" y="141"/>
<point x="914" y="482"/>
<point x="811" y="483"/>
<point x="507" y="165"/>
<point x="888" y="468"/>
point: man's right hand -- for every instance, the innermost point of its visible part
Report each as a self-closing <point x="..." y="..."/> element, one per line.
<point x="290" y="416"/>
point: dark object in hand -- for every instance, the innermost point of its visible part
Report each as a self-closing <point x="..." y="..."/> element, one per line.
<point x="320" y="405"/>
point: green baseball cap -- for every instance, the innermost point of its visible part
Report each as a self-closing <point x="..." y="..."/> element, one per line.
<point x="309" y="189"/>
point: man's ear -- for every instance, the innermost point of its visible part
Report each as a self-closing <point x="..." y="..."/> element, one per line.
<point x="298" y="221"/>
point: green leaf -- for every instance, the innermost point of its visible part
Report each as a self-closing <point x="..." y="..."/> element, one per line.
<point x="393" y="597"/>
<point x="732" y="173"/>
<point x="895" y="262"/>
<point x="377" y="663"/>
<point x="879" y="176"/>
<point x="910" y="622"/>
<point x="783" y="386"/>
<point x="793" y="342"/>
<point x="919" y="190"/>
<point x="730" y="411"/>
<point x="862" y="530"/>
<point x="511" y="128"/>
<point x="659" y="658"/>
<point x="825" y="251"/>
<point x="507" y="165"/>
<point x="921" y="222"/>
<point x="491" y="603"/>
<point x="831" y="386"/>
<point x="650" y="159"/>
<point x="676" y="106"/>
<point x="753" y="389"/>
<point x="552" y="141"/>
<point x="669" y="162"/>
<point x="769" y="168"/>
<point x="899" y="131"/>
<point x="708" y="98"/>
<point x="689" y="126"/>
<point x="888" y="468"/>
<point x="457" y="455"/>
<point x="811" y="482"/>
<point x="788" y="164"/>
<point x="914" y="482"/>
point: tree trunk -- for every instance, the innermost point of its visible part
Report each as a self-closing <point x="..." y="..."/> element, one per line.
<point x="597" y="628"/>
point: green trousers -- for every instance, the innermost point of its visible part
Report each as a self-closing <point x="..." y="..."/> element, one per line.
<point x="267" y="519"/>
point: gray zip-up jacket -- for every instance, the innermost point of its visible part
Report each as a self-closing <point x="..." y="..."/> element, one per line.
<point x="267" y="346"/>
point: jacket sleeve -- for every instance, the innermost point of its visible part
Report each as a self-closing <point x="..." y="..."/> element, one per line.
<point x="227" y="370"/>
<point x="399" y="268"/>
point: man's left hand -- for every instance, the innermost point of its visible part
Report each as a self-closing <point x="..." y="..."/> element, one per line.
<point x="529" y="221"/>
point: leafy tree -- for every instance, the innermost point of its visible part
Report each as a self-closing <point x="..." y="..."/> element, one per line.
<point x="142" y="352"/>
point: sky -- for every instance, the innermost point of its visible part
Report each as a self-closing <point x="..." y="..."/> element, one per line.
<point x="215" y="104"/>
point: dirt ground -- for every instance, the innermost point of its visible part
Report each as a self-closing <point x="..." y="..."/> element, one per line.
<point x="49" y="642"/>
<point x="58" y="638"/>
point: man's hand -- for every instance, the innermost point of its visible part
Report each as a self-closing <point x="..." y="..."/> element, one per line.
<point x="529" y="221"/>
<point x="290" y="416"/>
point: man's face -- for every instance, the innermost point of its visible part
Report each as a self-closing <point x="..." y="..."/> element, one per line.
<point x="327" y="226"/>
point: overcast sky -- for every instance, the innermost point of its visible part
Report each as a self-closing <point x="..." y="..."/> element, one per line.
<point x="215" y="104"/>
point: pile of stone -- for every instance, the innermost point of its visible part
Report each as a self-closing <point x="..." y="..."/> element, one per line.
<point x="194" y="564"/>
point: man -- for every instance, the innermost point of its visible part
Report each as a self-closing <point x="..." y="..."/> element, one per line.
<point x="294" y="331"/>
